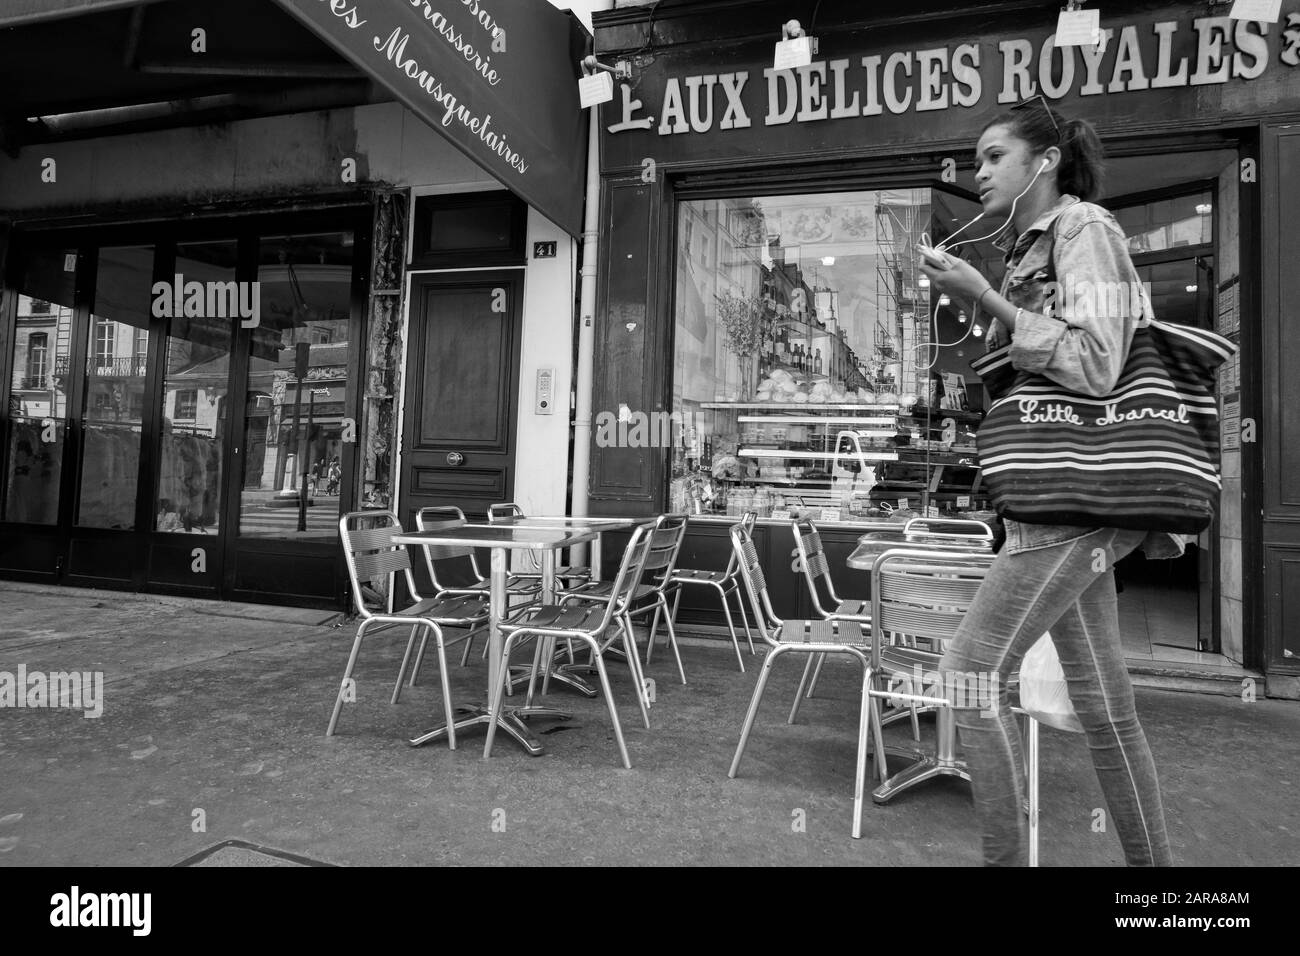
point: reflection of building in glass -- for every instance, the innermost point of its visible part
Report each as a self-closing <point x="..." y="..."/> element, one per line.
<point x="40" y="359"/>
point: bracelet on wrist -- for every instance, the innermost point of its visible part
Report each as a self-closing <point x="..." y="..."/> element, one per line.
<point x="979" y="303"/>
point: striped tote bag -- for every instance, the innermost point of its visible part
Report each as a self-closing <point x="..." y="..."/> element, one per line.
<point x="1145" y="457"/>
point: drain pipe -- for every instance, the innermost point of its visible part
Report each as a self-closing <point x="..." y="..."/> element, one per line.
<point x="586" y="322"/>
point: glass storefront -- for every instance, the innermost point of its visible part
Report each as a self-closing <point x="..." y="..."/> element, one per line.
<point x="814" y="369"/>
<point x="183" y="408"/>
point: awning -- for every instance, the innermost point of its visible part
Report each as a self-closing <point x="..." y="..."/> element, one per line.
<point x="498" y="79"/>
<point x="18" y="12"/>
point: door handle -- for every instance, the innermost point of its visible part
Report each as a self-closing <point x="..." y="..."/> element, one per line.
<point x="455" y="458"/>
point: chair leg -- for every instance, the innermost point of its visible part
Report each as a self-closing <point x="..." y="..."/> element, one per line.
<point x="654" y="629"/>
<point x="817" y="673"/>
<point x="731" y="626"/>
<point x="672" y="637"/>
<point x="882" y="768"/>
<point x="798" y="694"/>
<point x="634" y="663"/>
<point x="401" y="671"/>
<point x="1031" y="775"/>
<point x="419" y="659"/>
<point x="744" y="619"/>
<point x="347" y="673"/>
<point x="469" y="644"/>
<point x="864" y="729"/>
<point x="446" y="690"/>
<point x="753" y="708"/>
<point x="539" y="644"/>
<point x="609" y="702"/>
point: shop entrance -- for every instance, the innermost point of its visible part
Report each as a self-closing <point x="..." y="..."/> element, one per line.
<point x="127" y="462"/>
<point x="458" y="440"/>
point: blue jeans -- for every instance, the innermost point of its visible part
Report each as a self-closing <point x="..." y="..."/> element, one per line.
<point x="1068" y="587"/>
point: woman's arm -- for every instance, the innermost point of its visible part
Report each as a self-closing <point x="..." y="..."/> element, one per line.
<point x="1083" y="343"/>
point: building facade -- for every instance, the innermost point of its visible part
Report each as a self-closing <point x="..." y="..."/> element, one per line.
<point x="760" y="284"/>
<point x="248" y="289"/>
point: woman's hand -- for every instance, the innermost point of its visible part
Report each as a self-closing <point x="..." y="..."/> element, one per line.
<point x="960" y="279"/>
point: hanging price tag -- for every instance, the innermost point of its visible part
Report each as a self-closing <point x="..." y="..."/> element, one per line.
<point x="1078" y="28"/>
<point x="963" y="501"/>
<point x="70" y="262"/>
<point x="903" y="504"/>
<point x="1270" y="11"/>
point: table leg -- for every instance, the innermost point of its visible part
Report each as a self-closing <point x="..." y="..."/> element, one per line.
<point x="480" y="713"/>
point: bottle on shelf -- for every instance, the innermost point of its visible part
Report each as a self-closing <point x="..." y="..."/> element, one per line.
<point x="817" y="362"/>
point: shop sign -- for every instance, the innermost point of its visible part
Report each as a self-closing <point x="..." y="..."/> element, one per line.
<point x="876" y="88"/>
<point x="496" y="77"/>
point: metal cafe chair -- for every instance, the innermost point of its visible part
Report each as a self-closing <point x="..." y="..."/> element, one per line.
<point x="924" y="595"/>
<point x="812" y="559"/>
<point x="585" y="622"/>
<point x="519" y="590"/>
<point x="372" y="556"/>
<point x="666" y="536"/>
<point x="726" y="583"/>
<point x="928" y="592"/>
<point x="508" y="509"/>
<point x="799" y="637"/>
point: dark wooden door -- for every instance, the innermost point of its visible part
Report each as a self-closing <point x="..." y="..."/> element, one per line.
<point x="462" y="371"/>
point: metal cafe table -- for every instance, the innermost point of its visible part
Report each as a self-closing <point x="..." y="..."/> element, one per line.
<point x="870" y="547"/>
<point x="501" y="539"/>
<point x="564" y="674"/>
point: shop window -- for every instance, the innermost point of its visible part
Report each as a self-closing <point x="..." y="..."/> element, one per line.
<point x="298" y="409"/>
<point x="814" y="369"/>
<point x="38" y="416"/>
<point x="39" y="307"/>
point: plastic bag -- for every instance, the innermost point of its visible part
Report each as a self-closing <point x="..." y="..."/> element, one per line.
<point x="1043" y="691"/>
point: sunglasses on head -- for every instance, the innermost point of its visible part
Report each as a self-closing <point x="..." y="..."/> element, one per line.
<point x="1042" y="100"/>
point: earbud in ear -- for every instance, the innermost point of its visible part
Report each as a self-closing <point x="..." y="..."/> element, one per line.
<point x="1043" y="167"/>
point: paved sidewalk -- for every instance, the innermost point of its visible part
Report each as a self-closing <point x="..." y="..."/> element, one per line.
<point x="213" y="730"/>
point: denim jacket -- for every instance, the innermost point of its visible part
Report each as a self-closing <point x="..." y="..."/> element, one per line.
<point x="1083" y="348"/>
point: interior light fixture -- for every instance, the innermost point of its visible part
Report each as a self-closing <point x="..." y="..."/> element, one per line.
<point x="961" y="316"/>
<point x="1192" y="288"/>
<point x="977" y="331"/>
<point x="944" y="300"/>
<point x="923" y="282"/>
<point x="1204" y="208"/>
<point x="828" y="260"/>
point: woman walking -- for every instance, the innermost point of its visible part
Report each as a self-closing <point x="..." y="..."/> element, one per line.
<point x="1040" y="173"/>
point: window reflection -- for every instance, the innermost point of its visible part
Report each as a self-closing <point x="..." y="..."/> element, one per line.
<point x="814" y="365"/>
<point x="194" y="403"/>
<point x="294" y="425"/>
<point x="38" y="400"/>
